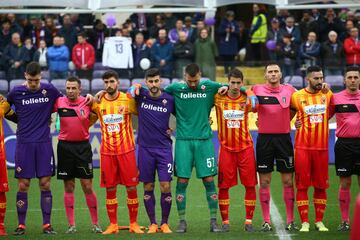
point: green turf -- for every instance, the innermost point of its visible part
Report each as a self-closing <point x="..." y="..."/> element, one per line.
<point x="197" y="213"/>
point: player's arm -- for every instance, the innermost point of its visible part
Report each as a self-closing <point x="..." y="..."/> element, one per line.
<point x="134" y="90"/>
<point x="10" y="114"/>
<point x="293" y="107"/>
<point x="331" y="106"/>
<point x="93" y="118"/>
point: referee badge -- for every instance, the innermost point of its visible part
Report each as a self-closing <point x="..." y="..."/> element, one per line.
<point x="44" y="92"/>
<point x="82" y="112"/>
<point x="284" y="99"/>
<point x="164" y="102"/>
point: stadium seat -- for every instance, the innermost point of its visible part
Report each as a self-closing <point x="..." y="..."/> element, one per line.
<point x="99" y="66"/>
<point x="98" y="73"/>
<point x="45" y="74"/>
<point x="44" y="81"/>
<point x="59" y="84"/>
<point x="176" y="80"/>
<point x="204" y="78"/>
<point x="336" y="82"/>
<point x="296" y="81"/>
<point x="124" y="84"/>
<point x="16" y="82"/>
<point x="85" y="86"/>
<point x="2" y="75"/>
<point x="138" y="80"/>
<point x="97" y="84"/>
<point x="165" y="82"/>
<point x="4" y="86"/>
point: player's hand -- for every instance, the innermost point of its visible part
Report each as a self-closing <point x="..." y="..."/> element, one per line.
<point x="134" y="90"/>
<point x="223" y="90"/>
<point x="251" y="97"/>
<point x="99" y="95"/>
<point x="298" y="124"/>
<point x="89" y="99"/>
<point x="325" y="88"/>
<point x="169" y="131"/>
<point x="2" y="99"/>
<point x="211" y="120"/>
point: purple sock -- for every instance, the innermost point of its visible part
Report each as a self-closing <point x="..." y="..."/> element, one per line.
<point x="46" y="206"/>
<point x="149" y="202"/>
<point x="21" y="206"/>
<point x="166" y="201"/>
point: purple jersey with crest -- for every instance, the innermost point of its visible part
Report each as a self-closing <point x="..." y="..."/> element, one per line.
<point x="154" y="115"/>
<point x="33" y="110"/>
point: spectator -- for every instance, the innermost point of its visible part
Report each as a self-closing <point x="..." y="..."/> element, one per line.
<point x="174" y="33"/>
<point x="273" y="34"/>
<point x="258" y="33"/>
<point x="140" y="51"/>
<point x="159" y="24"/>
<point x="191" y="36"/>
<point x="183" y="54"/>
<point x="205" y="54"/>
<point x="83" y="57"/>
<point x="15" y="56"/>
<point x="39" y="32"/>
<point x="68" y="31"/>
<point x="349" y="24"/>
<point x="282" y="15"/>
<point x="50" y="27"/>
<point x="58" y="59"/>
<point x="170" y="20"/>
<point x="287" y="55"/>
<point x="310" y="51"/>
<point x="332" y="55"/>
<point x="41" y="54"/>
<point x="15" y="27"/>
<point x="200" y="24"/>
<point x="75" y="21"/>
<point x="5" y="35"/>
<point x="25" y="26"/>
<point x="30" y="48"/>
<point x="352" y="47"/>
<point x="162" y="54"/>
<point x="142" y="23"/>
<point x="306" y="25"/>
<point x="331" y="23"/>
<point x="243" y="35"/>
<point x="291" y="29"/>
<point x="97" y="38"/>
<point x="228" y="36"/>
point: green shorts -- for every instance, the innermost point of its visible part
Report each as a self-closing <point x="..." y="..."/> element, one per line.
<point x="198" y="153"/>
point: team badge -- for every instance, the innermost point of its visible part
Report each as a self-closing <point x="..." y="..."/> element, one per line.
<point x="180" y="198"/>
<point x="203" y="87"/>
<point x="214" y="196"/>
<point x="323" y="99"/>
<point x="147" y="197"/>
<point x="283" y="99"/>
<point x="23" y="93"/>
<point x="20" y="203"/>
<point x="121" y="109"/>
<point x="18" y="169"/>
<point x="164" y="102"/>
<point x="82" y="112"/>
<point x="168" y="199"/>
<point x="44" y="92"/>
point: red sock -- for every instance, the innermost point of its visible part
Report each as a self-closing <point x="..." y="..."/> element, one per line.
<point x="288" y="195"/>
<point x="69" y="207"/>
<point x="224" y="203"/>
<point x="319" y="203"/>
<point x="250" y="202"/>
<point x="133" y="205"/>
<point x="302" y="202"/>
<point x="265" y="203"/>
<point x="111" y="205"/>
<point x="92" y="205"/>
<point x="344" y="203"/>
<point x="2" y="207"/>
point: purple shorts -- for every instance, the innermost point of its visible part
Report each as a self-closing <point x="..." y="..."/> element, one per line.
<point x="152" y="159"/>
<point x="34" y="160"/>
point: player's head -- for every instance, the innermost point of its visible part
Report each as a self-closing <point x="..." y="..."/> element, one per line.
<point x="352" y="79"/>
<point x="236" y="80"/>
<point x="273" y="73"/>
<point x="192" y="75"/>
<point x="33" y="75"/>
<point x="111" y="82"/>
<point x="315" y="78"/>
<point x="73" y="88"/>
<point x="153" y="81"/>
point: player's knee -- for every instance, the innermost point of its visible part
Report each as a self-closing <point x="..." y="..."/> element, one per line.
<point x="264" y="183"/>
<point x="23" y="186"/>
<point x="44" y="185"/>
<point x="208" y="179"/>
<point x="345" y="182"/>
<point x="149" y="187"/>
<point x="130" y="188"/>
<point x="87" y="188"/>
<point x="288" y="182"/>
<point x="183" y="180"/>
<point x="165" y="187"/>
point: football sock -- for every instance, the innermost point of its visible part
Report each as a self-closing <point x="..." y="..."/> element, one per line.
<point x="111" y="205"/>
<point x="250" y="202"/>
<point x="344" y="203"/>
<point x="46" y="206"/>
<point x="133" y="205"/>
<point x="69" y="207"/>
<point x="319" y="203"/>
<point x="165" y="202"/>
<point x="288" y="196"/>
<point x="224" y="203"/>
<point x="181" y="199"/>
<point x="302" y="202"/>
<point x="265" y="203"/>
<point x="91" y="202"/>
<point x="212" y="198"/>
<point x="149" y="202"/>
<point x="21" y="206"/>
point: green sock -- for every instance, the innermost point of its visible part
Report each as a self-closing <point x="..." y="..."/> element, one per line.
<point x="212" y="198"/>
<point x="181" y="199"/>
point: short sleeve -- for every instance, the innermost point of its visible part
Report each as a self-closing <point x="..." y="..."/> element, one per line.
<point x="293" y="103"/>
<point x="132" y="106"/>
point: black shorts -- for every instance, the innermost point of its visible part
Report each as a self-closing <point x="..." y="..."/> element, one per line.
<point x="347" y="156"/>
<point x="270" y="147"/>
<point x="74" y="160"/>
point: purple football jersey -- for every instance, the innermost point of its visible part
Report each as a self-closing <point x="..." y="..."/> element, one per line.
<point x="154" y="115"/>
<point x="33" y="110"/>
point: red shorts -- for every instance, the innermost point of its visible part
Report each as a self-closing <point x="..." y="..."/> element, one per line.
<point x="118" y="169"/>
<point x="311" y="168"/>
<point x="4" y="184"/>
<point x="231" y="162"/>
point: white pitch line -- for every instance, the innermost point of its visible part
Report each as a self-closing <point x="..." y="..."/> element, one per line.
<point x="278" y="222"/>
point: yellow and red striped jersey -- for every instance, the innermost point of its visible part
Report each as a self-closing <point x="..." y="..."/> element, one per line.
<point x="4" y="110"/>
<point x="232" y="118"/>
<point x="313" y="111"/>
<point x="117" y="135"/>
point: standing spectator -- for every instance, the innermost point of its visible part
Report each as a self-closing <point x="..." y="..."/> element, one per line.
<point x="68" y="31"/>
<point x="273" y="35"/>
<point x="306" y="25"/>
<point x="40" y="32"/>
<point x="40" y="55"/>
<point x="5" y="35"/>
<point x="76" y="22"/>
<point x="142" y="23"/>
<point x="183" y="54"/>
<point x="258" y="33"/>
<point x="331" y="23"/>
<point x="83" y="56"/>
<point x="50" y="27"/>
<point x="282" y="15"/>
<point x="15" y="56"/>
<point x="191" y="36"/>
<point x="349" y="24"/>
<point x="30" y="48"/>
<point x="228" y="48"/>
<point x="332" y="55"/>
<point x="58" y="59"/>
<point x="291" y="29"/>
<point x="310" y="51"/>
<point x="159" y="24"/>
<point x="287" y="55"/>
<point x="98" y="36"/>
<point x="352" y="47"/>
<point x="162" y="54"/>
<point x="243" y="35"/>
<point x="205" y="54"/>
<point x="170" y="20"/>
<point x="140" y="51"/>
<point x="15" y="27"/>
<point x="174" y="33"/>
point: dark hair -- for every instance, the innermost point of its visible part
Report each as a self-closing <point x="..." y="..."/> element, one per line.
<point x="312" y="69"/>
<point x="109" y="74"/>
<point x="271" y="64"/>
<point x="82" y="34"/>
<point x="152" y="72"/>
<point x="192" y="69"/>
<point x="287" y="35"/>
<point x="74" y="79"/>
<point x="236" y="73"/>
<point x="33" y="68"/>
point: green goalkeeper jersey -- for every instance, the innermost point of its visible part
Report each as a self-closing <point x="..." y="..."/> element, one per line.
<point x="193" y="108"/>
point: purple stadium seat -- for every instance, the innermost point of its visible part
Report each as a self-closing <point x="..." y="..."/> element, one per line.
<point x="98" y="73"/>
<point x="99" y="66"/>
<point x="15" y="82"/>
<point x="335" y="81"/>
<point x="4" y="86"/>
<point x="165" y="82"/>
<point x="59" y="84"/>
<point x="97" y="84"/>
<point x="295" y="81"/>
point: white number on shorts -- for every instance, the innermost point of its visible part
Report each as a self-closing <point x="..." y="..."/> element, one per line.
<point x="210" y="162"/>
<point x="170" y="168"/>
